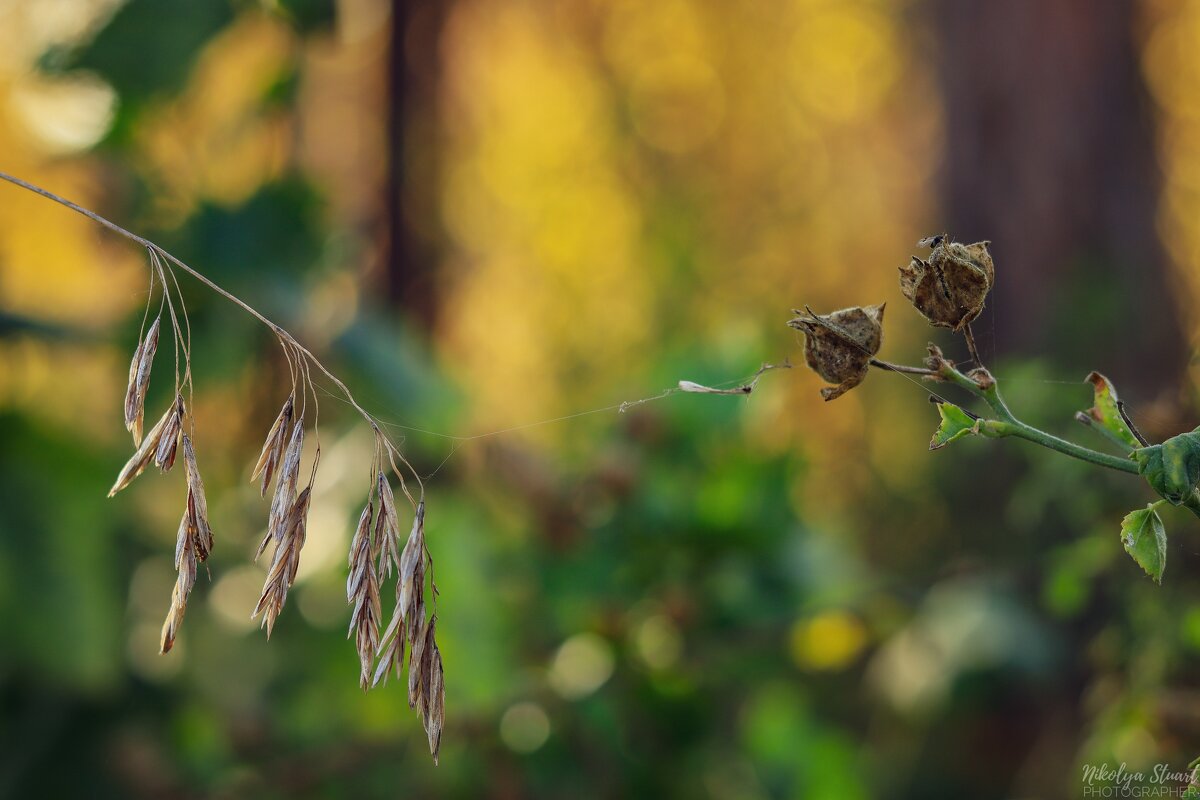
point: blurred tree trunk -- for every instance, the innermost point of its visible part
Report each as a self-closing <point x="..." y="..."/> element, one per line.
<point x="412" y="238"/>
<point x="1050" y="154"/>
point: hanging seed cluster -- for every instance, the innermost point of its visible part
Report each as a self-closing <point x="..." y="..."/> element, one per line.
<point x="377" y="554"/>
<point x="948" y="289"/>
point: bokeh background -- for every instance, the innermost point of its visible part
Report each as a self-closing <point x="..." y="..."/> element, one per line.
<point x="486" y="214"/>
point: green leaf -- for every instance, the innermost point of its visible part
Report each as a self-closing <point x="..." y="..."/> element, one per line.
<point x="956" y="424"/>
<point x="1172" y="468"/>
<point x="1105" y="413"/>
<point x="1145" y="539"/>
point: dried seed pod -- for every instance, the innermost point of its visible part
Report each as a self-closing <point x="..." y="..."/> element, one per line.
<point x="435" y="697"/>
<point x="839" y="346"/>
<point x="144" y="455"/>
<point x="272" y="448"/>
<point x="362" y="591"/>
<point x="164" y="455"/>
<point x="410" y="581"/>
<point x="389" y="546"/>
<point x="139" y="380"/>
<point x="950" y="288"/>
<point x="285" y="563"/>
<point x="419" y="630"/>
<point x="197" y="504"/>
<point x="285" y="488"/>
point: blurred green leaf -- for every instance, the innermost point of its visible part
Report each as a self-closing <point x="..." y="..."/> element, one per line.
<point x="956" y="424"/>
<point x="1145" y="539"/>
<point x="1172" y="468"/>
<point x="1106" y="414"/>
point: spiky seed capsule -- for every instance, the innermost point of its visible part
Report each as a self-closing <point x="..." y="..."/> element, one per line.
<point x="950" y="288"/>
<point x="839" y="346"/>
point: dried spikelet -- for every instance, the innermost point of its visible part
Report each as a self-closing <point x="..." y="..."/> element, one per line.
<point x="185" y="563"/>
<point x="197" y="505"/>
<point x="272" y="448"/>
<point x="409" y="595"/>
<point x="419" y="634"/>
<point x="144" y="455"/>
<point x="285" y="490"/>
<point x="390" y="545"/>
<point x="285" y="562"/>
<point x="193" y="544"/>
<point x="168" y="442"/>
<point x="411" y="580"/>
<point x="362" y="591"/>
<point x="435" y="702"/>
<point x="391" y="650"/>
<point x="139" y="379"/>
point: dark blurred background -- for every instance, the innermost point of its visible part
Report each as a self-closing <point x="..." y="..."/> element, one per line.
<point x="485" y="214"/>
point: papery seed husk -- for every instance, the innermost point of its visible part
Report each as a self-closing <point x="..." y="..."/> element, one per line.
<point x="415" y="656"/>
<point x="950" y="288"/>
<point x="285" y="562"/>
<point x="435" y="712"/>
<point x="424" y="665"/>
<point x="144" y="455"/>
<point x="272" y="448"/>
<point x="388" y="548"/>
<point x="362" y="532"/>
<point x="170" y="628"/>
<point x="139" y="380"/>
<point x="285" y="488"/>
<point x="391" y="650"/>
<point x="168" y="442"/>
<point x="197" y="504"/>
<point x="839" y="346"/>
<point x="414" y="551"/>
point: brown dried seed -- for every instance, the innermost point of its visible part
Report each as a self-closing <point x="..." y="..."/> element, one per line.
<point x="409" y="583"/>
<point x="139" y="380"/>
<point x="389" y="555"/>
<point x="285" y="562"/>
<point x="362" y="590"/>
<point x="416" y="654"/>
<point x="272" y="448"/>
<point x="839" y="346"/>
<point x="435" y="705"/>
<point x="197" y="504"/>
<point x="144" y="455"/>
<point x="391" y="649"/>
<point x="164" y="456"/>
<point x="950" y="288"/>
<point x="285" y="489"/>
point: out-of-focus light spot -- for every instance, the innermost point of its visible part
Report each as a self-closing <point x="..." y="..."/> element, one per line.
<point x="581" y="666"/>
<point x="145" y="658"/>
<point x="332" y="305"/>
<point x="658" y="642"/>
<point x="1135" y="746"/>
<point x="677" y="104"/>
<point x="150" y="587"/>
<point x="910" y="673"/>
<point x="829" y="641"/>
<point x="323" y="605"/>
<point x="524" y="727"/>
<point x="234" y="595"/>
<point x="359" y="19"/>
<point x="67" y="114"/>
<point x="843" y="61"/>
<point x="327" y="540"/>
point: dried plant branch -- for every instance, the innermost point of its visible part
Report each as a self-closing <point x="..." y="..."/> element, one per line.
<point x="279" y="461"/>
